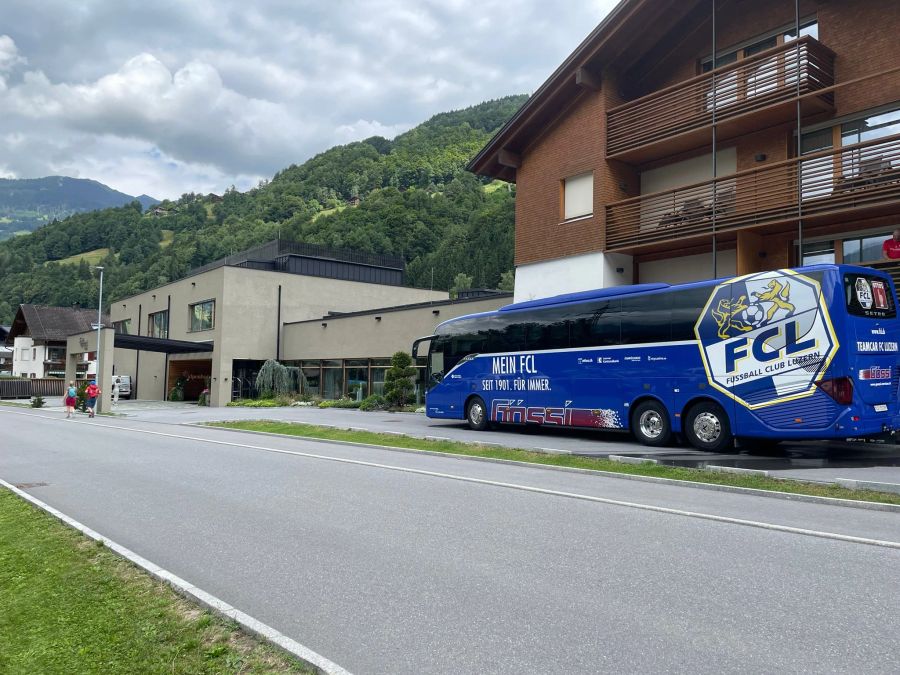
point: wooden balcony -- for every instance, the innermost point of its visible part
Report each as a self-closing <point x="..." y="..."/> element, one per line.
<point x="854" y="181"/>
<point x="892" y="267"/>
<point x="750" y="94"/>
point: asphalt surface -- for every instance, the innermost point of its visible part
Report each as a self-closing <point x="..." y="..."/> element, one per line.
<point x="816" y="461"/>
<point x="386" y="571"/>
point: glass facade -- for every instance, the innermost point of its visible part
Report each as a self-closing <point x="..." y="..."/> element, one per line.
<point x="864" y="249"/>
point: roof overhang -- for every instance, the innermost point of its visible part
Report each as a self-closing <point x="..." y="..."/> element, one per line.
<point x="161" y="345"/>
<point x="629" y="22"/>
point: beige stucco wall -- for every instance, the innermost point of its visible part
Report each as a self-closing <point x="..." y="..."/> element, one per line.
<point x="357" y="337"/>
<point x="78" y="344"/>
<point x="246" y="317"/>
<point x="688" y="268"/>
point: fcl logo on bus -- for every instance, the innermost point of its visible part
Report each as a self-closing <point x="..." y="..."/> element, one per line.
<point x="766" y="338"/>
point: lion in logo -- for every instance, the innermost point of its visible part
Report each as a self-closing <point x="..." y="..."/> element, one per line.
<point x="728" y="316"/>
<point x="778" y="294"/>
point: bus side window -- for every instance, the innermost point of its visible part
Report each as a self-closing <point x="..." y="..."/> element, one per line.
<point x="646" y="319"/>
<point x="599" y="327"/>
<point x="686" y="308"/>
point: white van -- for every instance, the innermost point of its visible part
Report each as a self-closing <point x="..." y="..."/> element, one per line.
<point x="124" y="385"/>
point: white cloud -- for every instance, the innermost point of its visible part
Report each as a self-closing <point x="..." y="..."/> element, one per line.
<point x="171" y="97"/>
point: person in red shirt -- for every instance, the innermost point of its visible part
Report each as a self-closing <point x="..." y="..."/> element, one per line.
<point x="891" y="247"/>
<point x="91" y="393"/>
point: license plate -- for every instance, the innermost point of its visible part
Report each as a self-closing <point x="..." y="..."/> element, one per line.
<point x="881" y="407"/>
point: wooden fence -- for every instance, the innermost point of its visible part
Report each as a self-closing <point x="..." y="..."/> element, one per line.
<point x="26" y="388"/>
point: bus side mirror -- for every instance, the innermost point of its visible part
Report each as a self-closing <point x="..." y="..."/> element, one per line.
<point x="437" y="377"/>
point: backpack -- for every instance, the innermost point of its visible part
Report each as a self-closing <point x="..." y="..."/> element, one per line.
<point x="72" y="392"/>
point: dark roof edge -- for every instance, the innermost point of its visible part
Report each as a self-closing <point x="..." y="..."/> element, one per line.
<point x="401" y="308"/>
<point x="533" y="100"/>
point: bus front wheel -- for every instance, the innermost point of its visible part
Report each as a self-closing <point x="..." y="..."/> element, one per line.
<point x="707" y="427"/>
<point x="650" y="423"/>
<point x="476" y="414"/>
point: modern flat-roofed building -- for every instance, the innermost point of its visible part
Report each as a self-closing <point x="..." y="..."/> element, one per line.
<point x="349" y="354"/>
<point x="216" y="326"/>
<point x="688" y="139"/>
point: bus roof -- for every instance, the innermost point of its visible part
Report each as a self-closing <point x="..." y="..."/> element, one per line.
<point x="583" y="296"/>
<point x="619" y="291"/>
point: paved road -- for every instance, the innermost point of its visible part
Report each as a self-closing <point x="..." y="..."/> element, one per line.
<point x="407" y="563"/>
<point x="822" y="461"/>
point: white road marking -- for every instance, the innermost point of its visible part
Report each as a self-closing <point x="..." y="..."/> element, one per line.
<point x="218" y="606"/>
<point x="481" y="481"/>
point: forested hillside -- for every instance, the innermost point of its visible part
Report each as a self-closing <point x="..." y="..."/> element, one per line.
<point x="409" y="196"/>
<point x="29" y="203"/>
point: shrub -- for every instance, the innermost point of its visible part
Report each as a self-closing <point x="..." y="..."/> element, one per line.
<point x="398" y="384"/>
<point x="340" y="403"/>
<point x="253" y="403"/>
<point x="81" y="398"/>
<point x="275" y="379"/>
<point x="373" y="403"/>
<point x="37" y="402"/>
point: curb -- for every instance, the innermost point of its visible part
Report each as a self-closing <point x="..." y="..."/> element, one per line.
<point x="191" y="592"/>
<point x="853" y="484"/>
<point x="753" y="492"/>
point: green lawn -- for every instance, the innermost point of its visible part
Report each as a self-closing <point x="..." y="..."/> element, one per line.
<point x="520" y="455"/>
<point x="68" y="605"/>
<point x="91" y="257"/>
<point x="327" y="212"/>
<point x="493" y="186"/>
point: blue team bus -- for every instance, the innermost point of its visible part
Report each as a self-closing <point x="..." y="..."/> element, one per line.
<point x="809" y="353"/>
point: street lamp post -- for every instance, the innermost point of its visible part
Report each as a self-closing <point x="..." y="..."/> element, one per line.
<point x="99" y="323"/>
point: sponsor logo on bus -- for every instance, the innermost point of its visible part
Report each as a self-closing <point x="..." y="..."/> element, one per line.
<point x="766" y="338"/>
<point x="512" y="411"/>
<point x="875" y="373"/>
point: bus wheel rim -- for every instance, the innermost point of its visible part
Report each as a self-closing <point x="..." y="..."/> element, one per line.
<point x="651" y="424"/>
<point x="476" y="413"/>
<point x="707" y="427"/>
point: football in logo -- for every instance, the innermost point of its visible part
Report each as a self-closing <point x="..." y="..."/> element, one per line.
<point x="766" y="338"/>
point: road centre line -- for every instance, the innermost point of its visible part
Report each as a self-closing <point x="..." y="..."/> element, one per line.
<point x="480" y="481"/>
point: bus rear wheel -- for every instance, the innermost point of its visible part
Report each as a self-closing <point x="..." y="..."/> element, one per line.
<point x="476" y="414"/>
<point x="707" y="427"/>
<point x="650" y="424"/>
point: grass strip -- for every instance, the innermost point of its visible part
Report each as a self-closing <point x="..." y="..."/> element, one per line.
<point x="69" y="605"/>
<point x="573" y="461"/>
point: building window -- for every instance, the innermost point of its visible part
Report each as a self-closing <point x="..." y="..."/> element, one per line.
<point x="864" y="249"/>
<point x="818" y="253"/>
<point x="158" y="324"/>
<point x="874" y="159"/>
<point x="26" y="355"/>
<point x="578" y="196"/>
<point x="122" y="327"/>
<point x="203" y="315"/>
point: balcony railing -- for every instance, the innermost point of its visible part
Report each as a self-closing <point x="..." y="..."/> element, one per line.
<point x="767" y="81"/>
<point x="864" y="177"/>
<point x="892" y="267"/>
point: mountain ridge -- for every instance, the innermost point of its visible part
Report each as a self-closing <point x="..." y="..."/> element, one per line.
<point x="29" y="203"/>
<point x="409" y="196"/>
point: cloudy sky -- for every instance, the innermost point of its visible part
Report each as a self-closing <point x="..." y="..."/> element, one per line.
<point x="165" y="97"/>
